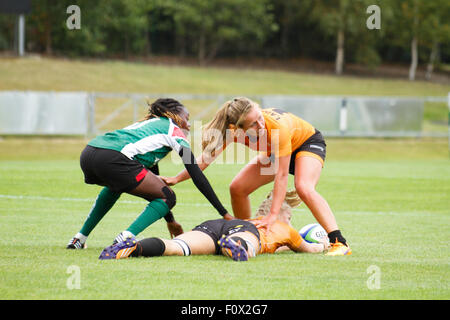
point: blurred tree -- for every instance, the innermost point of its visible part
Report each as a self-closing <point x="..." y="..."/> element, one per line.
<point x="289" y="16"/>
<point x="367" y="44"/>
<point x="411" y="30"/>
<point x="47" y="30"/>
<point x="126" y="23"/>
<point x="107" y="27"/>
<point x="210" y="25"/>
<point x="90" y="39"/>
<point x="410" y="10"/>
<point x="46" y="16"/>
<point x="342" y="19"/>
<point x="160" y="30"/>
<point x="419" y="27"/>
<point x="434" y="31"/>
<point x="7" y="25"/>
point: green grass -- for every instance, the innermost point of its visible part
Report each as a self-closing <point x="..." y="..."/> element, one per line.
<point x="116" y="76"/>
<point x="390" y="197"/>
<point x="392" y="206"/>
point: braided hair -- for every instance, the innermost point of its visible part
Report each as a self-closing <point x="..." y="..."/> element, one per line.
<point x="165" y="107"/>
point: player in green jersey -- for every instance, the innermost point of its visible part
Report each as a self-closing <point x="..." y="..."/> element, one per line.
<point x="126" y="160"/>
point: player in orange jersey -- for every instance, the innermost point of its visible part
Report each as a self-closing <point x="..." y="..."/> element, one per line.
<point x="237" y="239"/>
<point x="287" y="145"/>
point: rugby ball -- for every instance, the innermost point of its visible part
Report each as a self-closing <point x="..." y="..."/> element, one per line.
<point x="313" y="232"/>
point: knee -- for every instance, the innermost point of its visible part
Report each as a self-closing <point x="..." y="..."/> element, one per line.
<point x="171" y="198"/>
<point x="305" y="191"/>
<point x="236" y="189"/>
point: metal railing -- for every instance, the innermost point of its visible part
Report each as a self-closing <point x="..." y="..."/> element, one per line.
<point x="90" y="113"/>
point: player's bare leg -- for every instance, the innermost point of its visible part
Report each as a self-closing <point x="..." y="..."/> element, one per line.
<point x="197" y="242"/>
<point x="192" y="242"/>
<point x="307" y="174"/>
<point x="245" y="182"/>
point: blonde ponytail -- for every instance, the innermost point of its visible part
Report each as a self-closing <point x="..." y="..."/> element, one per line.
<point x="232" y="112"/>
<point x="210" y="139"/>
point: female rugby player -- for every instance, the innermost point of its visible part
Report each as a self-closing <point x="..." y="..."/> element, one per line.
<point x="237" y="239"/>
<point x="289" y="145"/>
<point x="122" y="161"/>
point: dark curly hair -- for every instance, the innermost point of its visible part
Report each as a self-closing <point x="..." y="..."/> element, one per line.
<point x="165" y="107"/>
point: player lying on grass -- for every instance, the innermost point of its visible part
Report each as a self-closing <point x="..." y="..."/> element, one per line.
<point x="287" y="145"/>
<point x="123" y="161"/>
<point x="237" y="239"/>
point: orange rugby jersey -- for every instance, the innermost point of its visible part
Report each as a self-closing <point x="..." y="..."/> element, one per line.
<point x="287" y="131"/>
<point x="292" y="131"/>
<point x="280" y="234"/>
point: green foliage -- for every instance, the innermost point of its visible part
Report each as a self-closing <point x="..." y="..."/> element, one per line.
<point x="212" y="25"/>
<point x="6" y="24"/>
<point x="427" y="20"/>
<point x="209" y="28"/>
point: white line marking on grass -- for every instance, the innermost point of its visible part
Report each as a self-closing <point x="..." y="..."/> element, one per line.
<point x="375" y="213"/>
<point x="299" y="210"/>
<point x="42" y="198"/>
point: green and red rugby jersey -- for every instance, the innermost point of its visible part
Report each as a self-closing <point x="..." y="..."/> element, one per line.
<point x="146" y="141"/>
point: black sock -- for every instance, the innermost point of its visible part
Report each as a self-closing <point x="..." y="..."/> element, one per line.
<point x="138" y="252"/>
<point x="336" y="235"/>
<point x="150" y="247"/>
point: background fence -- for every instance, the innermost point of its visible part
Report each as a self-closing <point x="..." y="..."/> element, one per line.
<point x="91" y="113"/>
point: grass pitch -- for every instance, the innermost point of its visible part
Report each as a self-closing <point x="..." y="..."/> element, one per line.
<point x="394" y="213"/>
<point x="390" y="197"/>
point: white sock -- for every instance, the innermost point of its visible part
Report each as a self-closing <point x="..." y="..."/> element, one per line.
<point x="124" y="235"/>
<point x="251" y="249"/>
<point x="127" y="234"/>
<point x="81" y="236"/>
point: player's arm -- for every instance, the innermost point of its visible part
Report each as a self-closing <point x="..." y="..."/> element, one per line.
<point x="308" y="247"/>
<point x="203" y="162"/>
<point x="280" y="184"/>
<point x="297" y="244"/>
<point x="281" y="148"/>
<point x="283" y="248"/>
<point x="279" y="191"/>
<point x="201" y="182"/>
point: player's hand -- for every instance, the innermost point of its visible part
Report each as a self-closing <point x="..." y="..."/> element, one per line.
<point x="228" y="216"/>
<point x="170" y="181"/>
<point x="175" y="229"/>
<point x="325" y="242"/>
<point x="266" y="222"/>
